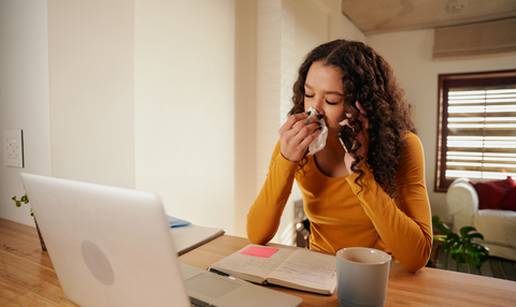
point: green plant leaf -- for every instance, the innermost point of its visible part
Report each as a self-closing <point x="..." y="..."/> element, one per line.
<point x="453" y="237"/>
<point x="24" y="198"/>
<point x="18" y="202"/>
<point x="439" y="225"/>
<point x="440" y="238"/>
<point x="466" y="229"/>
<point x="476" y="235"/>
<point x="462" y="247"/>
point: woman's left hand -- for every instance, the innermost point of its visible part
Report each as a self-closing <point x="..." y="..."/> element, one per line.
<point x="362" y="138"/>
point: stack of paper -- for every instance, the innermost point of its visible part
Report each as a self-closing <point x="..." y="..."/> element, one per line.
<point x="188" y="236"/>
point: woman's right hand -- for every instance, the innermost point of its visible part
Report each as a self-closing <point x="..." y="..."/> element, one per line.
<point x="297" y="134"/>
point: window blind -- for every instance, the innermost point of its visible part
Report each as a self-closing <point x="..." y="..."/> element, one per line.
<point x="477" y="133"/>
<point x="481" y="142"/>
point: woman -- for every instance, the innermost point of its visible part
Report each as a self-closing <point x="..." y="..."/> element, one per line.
<point x="372" y="194"/>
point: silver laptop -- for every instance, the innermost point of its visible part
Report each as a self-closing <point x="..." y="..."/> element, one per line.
<point x="112" y="247"/>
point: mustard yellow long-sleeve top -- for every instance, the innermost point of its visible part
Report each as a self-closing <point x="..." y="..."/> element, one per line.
<point x="341" y="215"/>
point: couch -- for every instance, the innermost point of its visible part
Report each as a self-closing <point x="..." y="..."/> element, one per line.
<point x="497" y="226"/>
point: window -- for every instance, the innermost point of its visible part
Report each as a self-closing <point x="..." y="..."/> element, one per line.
<point x="476" y="135"/>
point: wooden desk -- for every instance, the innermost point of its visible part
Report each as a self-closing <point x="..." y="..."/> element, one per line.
<point x="427" y="287"/>
<point x="28" y="279"/>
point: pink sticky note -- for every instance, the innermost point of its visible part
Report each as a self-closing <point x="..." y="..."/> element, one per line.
<point x="259" y="251"/>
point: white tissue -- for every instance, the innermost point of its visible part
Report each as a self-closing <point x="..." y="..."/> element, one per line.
<point x="320" y="142"/>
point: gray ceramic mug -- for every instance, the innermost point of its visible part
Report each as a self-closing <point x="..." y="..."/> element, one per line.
<point x="362" y="276"/>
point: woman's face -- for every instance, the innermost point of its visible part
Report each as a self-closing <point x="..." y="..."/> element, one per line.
<point x="324" y="91"/>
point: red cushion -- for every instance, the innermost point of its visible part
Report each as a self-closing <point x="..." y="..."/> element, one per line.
<point x="509" y="201"/>
<point x="491" y="193"/>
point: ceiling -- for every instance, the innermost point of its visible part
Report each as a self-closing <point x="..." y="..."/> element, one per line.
<point x="377" y="16"/>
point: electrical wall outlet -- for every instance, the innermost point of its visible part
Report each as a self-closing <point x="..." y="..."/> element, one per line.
<point x="13" y="148"/>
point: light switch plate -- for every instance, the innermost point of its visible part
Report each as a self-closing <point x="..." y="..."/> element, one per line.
<point x="13" y="148"/>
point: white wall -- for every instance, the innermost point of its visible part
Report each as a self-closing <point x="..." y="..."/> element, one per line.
<point x="272" y="39"/>
<point x="410" y="55"/>
<point x="268" y="84"/>
<point x="245" y="110"/>
<point x="23" y="95"/>
<point x="90" y="48"/>
<point x="141" y="95"/>
<point x="339" y="26"/>
<point x="304" y="25"/>
<point x="144" y="95"/>
<point x="184" y="107"/>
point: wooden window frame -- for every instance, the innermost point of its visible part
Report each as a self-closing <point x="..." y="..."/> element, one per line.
<point x="445" y="81"/>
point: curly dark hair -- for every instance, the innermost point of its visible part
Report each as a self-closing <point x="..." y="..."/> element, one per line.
<point x="368" y="79"/>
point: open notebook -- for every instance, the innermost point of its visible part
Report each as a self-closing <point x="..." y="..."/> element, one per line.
<point x="295" y="268"/>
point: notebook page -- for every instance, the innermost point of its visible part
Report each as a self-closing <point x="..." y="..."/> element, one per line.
<point x="308" y="269"/>
<point x="240" y="262"/>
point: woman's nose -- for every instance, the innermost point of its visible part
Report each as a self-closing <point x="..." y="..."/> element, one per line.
<point x="319" y="105"/>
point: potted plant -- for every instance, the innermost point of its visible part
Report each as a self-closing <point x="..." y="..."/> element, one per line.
<point x="463" y="247"/>
<point x="24" y="200"/>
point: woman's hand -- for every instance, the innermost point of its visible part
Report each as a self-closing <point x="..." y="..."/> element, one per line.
<point x="297" y="134"/>
<point x="362" y="138"/>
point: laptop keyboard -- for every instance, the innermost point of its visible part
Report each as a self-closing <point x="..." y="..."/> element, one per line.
<point x="198" y="303"/>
